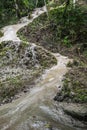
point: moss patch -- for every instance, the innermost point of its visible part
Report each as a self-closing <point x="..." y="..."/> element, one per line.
<point x="74" y="86"/>
<point x="1" y="34"/>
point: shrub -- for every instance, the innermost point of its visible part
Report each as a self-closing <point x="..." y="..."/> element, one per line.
<point x="71" y="25"/>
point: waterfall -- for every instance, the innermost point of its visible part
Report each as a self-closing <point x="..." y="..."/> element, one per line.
<point x="32" y="49"/>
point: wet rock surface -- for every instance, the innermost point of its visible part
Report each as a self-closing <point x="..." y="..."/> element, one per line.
<point x="77" y="111"/>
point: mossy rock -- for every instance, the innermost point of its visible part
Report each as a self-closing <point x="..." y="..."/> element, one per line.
<point x="1" y="34"/>
<point x="76" y="111"/>
<point x="75" y="86"/>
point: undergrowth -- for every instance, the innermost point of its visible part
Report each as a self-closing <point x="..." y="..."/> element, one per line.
<point x="71" y="26"/>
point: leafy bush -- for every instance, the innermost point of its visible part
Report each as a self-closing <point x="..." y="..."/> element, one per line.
<point x="72" y="25"/>
<point x="8" y="10"/>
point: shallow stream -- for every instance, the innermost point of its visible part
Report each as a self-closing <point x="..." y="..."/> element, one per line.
<point x="36" y="110"/>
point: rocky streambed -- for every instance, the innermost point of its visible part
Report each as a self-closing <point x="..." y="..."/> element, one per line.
<point x="20" y="64"/>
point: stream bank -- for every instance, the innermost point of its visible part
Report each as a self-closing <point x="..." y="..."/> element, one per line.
<point x="36" y="110"/>
<point x="74" y="90"/>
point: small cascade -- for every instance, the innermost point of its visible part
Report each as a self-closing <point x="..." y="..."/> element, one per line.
<point x="32" y="48"/>
<point x="34" y="53"/>
<point x="24" y="20"/>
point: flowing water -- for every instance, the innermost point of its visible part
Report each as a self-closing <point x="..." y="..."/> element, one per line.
<point x="11" y="30"/>
<point x="32" y="48"/>
<point x="36" y="110"/>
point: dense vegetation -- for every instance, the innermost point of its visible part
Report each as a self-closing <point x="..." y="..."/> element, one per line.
<point x="64" y="29"/>
<point x="12" y="10"/>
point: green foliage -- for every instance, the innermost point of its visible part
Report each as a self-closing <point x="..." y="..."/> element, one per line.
<point x="66" y="41"/>
<point x="40" y="3"/>
<point x="72" y="26"/>
<point x="75" y="85"/>
<point x="8" y="12"/>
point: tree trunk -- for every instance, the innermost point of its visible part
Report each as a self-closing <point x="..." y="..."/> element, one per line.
<point x="17" y="9"/>
<point x="46" y="8"/>
<point x="74" y="2"/>
<point x="36" y="3"/>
